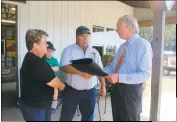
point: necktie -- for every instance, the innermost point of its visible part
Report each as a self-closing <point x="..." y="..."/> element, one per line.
<point x="121" y="58"/>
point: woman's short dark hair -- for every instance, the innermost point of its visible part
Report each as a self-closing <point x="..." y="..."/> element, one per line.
<point x="33" y="36"/>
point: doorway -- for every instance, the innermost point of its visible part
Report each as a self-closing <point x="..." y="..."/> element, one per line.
<point x="99" y="49"/>
<point x="9" y="55"/>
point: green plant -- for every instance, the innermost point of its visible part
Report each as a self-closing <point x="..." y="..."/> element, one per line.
<point x="107" y="58"/>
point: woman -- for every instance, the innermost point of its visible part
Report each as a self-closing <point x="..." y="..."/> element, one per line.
<point x="38" y="79"/>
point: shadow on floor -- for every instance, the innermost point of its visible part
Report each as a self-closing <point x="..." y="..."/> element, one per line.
<point x="9" y="96"/>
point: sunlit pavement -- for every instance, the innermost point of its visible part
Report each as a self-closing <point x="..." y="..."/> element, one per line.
<point x="168" y="99"/>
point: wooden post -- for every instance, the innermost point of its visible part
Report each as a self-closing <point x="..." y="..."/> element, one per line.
<point x="157" y="63"/>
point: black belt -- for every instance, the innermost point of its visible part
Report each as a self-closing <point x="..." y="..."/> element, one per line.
<point x="76" y="89"/>
<point x="123" y="84"/>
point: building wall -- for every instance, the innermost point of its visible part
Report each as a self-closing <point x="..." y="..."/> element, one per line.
<point x="144" y="14"/>
<point x="61" y="18"/>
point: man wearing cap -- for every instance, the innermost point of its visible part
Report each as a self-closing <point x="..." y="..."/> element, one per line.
<point x="81" y="85"/>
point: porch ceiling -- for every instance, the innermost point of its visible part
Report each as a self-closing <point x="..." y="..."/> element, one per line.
<point x="142" y="4"/>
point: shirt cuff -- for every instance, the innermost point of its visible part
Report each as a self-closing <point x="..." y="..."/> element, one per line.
<point x="106" y="70"/>
<point x="122" y="78"/>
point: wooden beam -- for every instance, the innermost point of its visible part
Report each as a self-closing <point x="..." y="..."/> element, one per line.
<point x="145" y="24"/>
<point x="136" y="3"/>
<point x="157" y="64"/>
<point x="158" y="4"/>
<point x="149" y="23"/>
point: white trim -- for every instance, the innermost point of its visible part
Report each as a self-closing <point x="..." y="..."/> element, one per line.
<point x="99" y="45"/>
<point x="8" y="21"/>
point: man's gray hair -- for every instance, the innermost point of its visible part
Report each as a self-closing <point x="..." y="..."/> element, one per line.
<point x="33" y="36"/>
<point x="131" y="22"/>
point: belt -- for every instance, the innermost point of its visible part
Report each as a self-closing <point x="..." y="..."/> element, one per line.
<point x="123" y="84"/>
<point x="70" y="87"/>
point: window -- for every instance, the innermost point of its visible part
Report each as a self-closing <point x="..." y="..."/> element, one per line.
<point x="110" y="49"/>
<point x="98" y="28"/>
<point x="2" y="47"/>
<point x="110" y="29"/>
<point x="99" y="49"/>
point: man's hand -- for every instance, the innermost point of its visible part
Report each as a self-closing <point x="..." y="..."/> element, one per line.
<point x="113" y="78"/>
<point x="85" y="75"/>
<point x="103" y="91"/>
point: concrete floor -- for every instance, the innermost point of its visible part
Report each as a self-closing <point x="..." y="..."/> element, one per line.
<point x="11" y="112"/>
<point x="14" y="114"/>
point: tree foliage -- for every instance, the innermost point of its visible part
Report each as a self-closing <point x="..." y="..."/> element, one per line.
<point x="170" y="35"/>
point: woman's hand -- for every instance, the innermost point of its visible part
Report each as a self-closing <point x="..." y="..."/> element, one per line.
<point x="55" y="69"/>
<point x="55" y="95"/>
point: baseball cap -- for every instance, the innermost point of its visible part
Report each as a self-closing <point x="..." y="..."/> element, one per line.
<point x="82" y="30"/>
<point x="50" y="45"/>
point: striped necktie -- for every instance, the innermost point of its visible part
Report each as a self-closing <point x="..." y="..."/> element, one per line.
<point x="121" y="58"/>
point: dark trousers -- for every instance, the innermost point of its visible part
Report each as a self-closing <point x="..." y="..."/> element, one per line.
<point x="35" y="114"/>
<point x="126" y="102"/>
<point x="72" y="98"/>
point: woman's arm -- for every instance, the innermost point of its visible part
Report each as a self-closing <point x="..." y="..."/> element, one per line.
<point x="55" y="95"/>
<point x="56" y="83"/>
